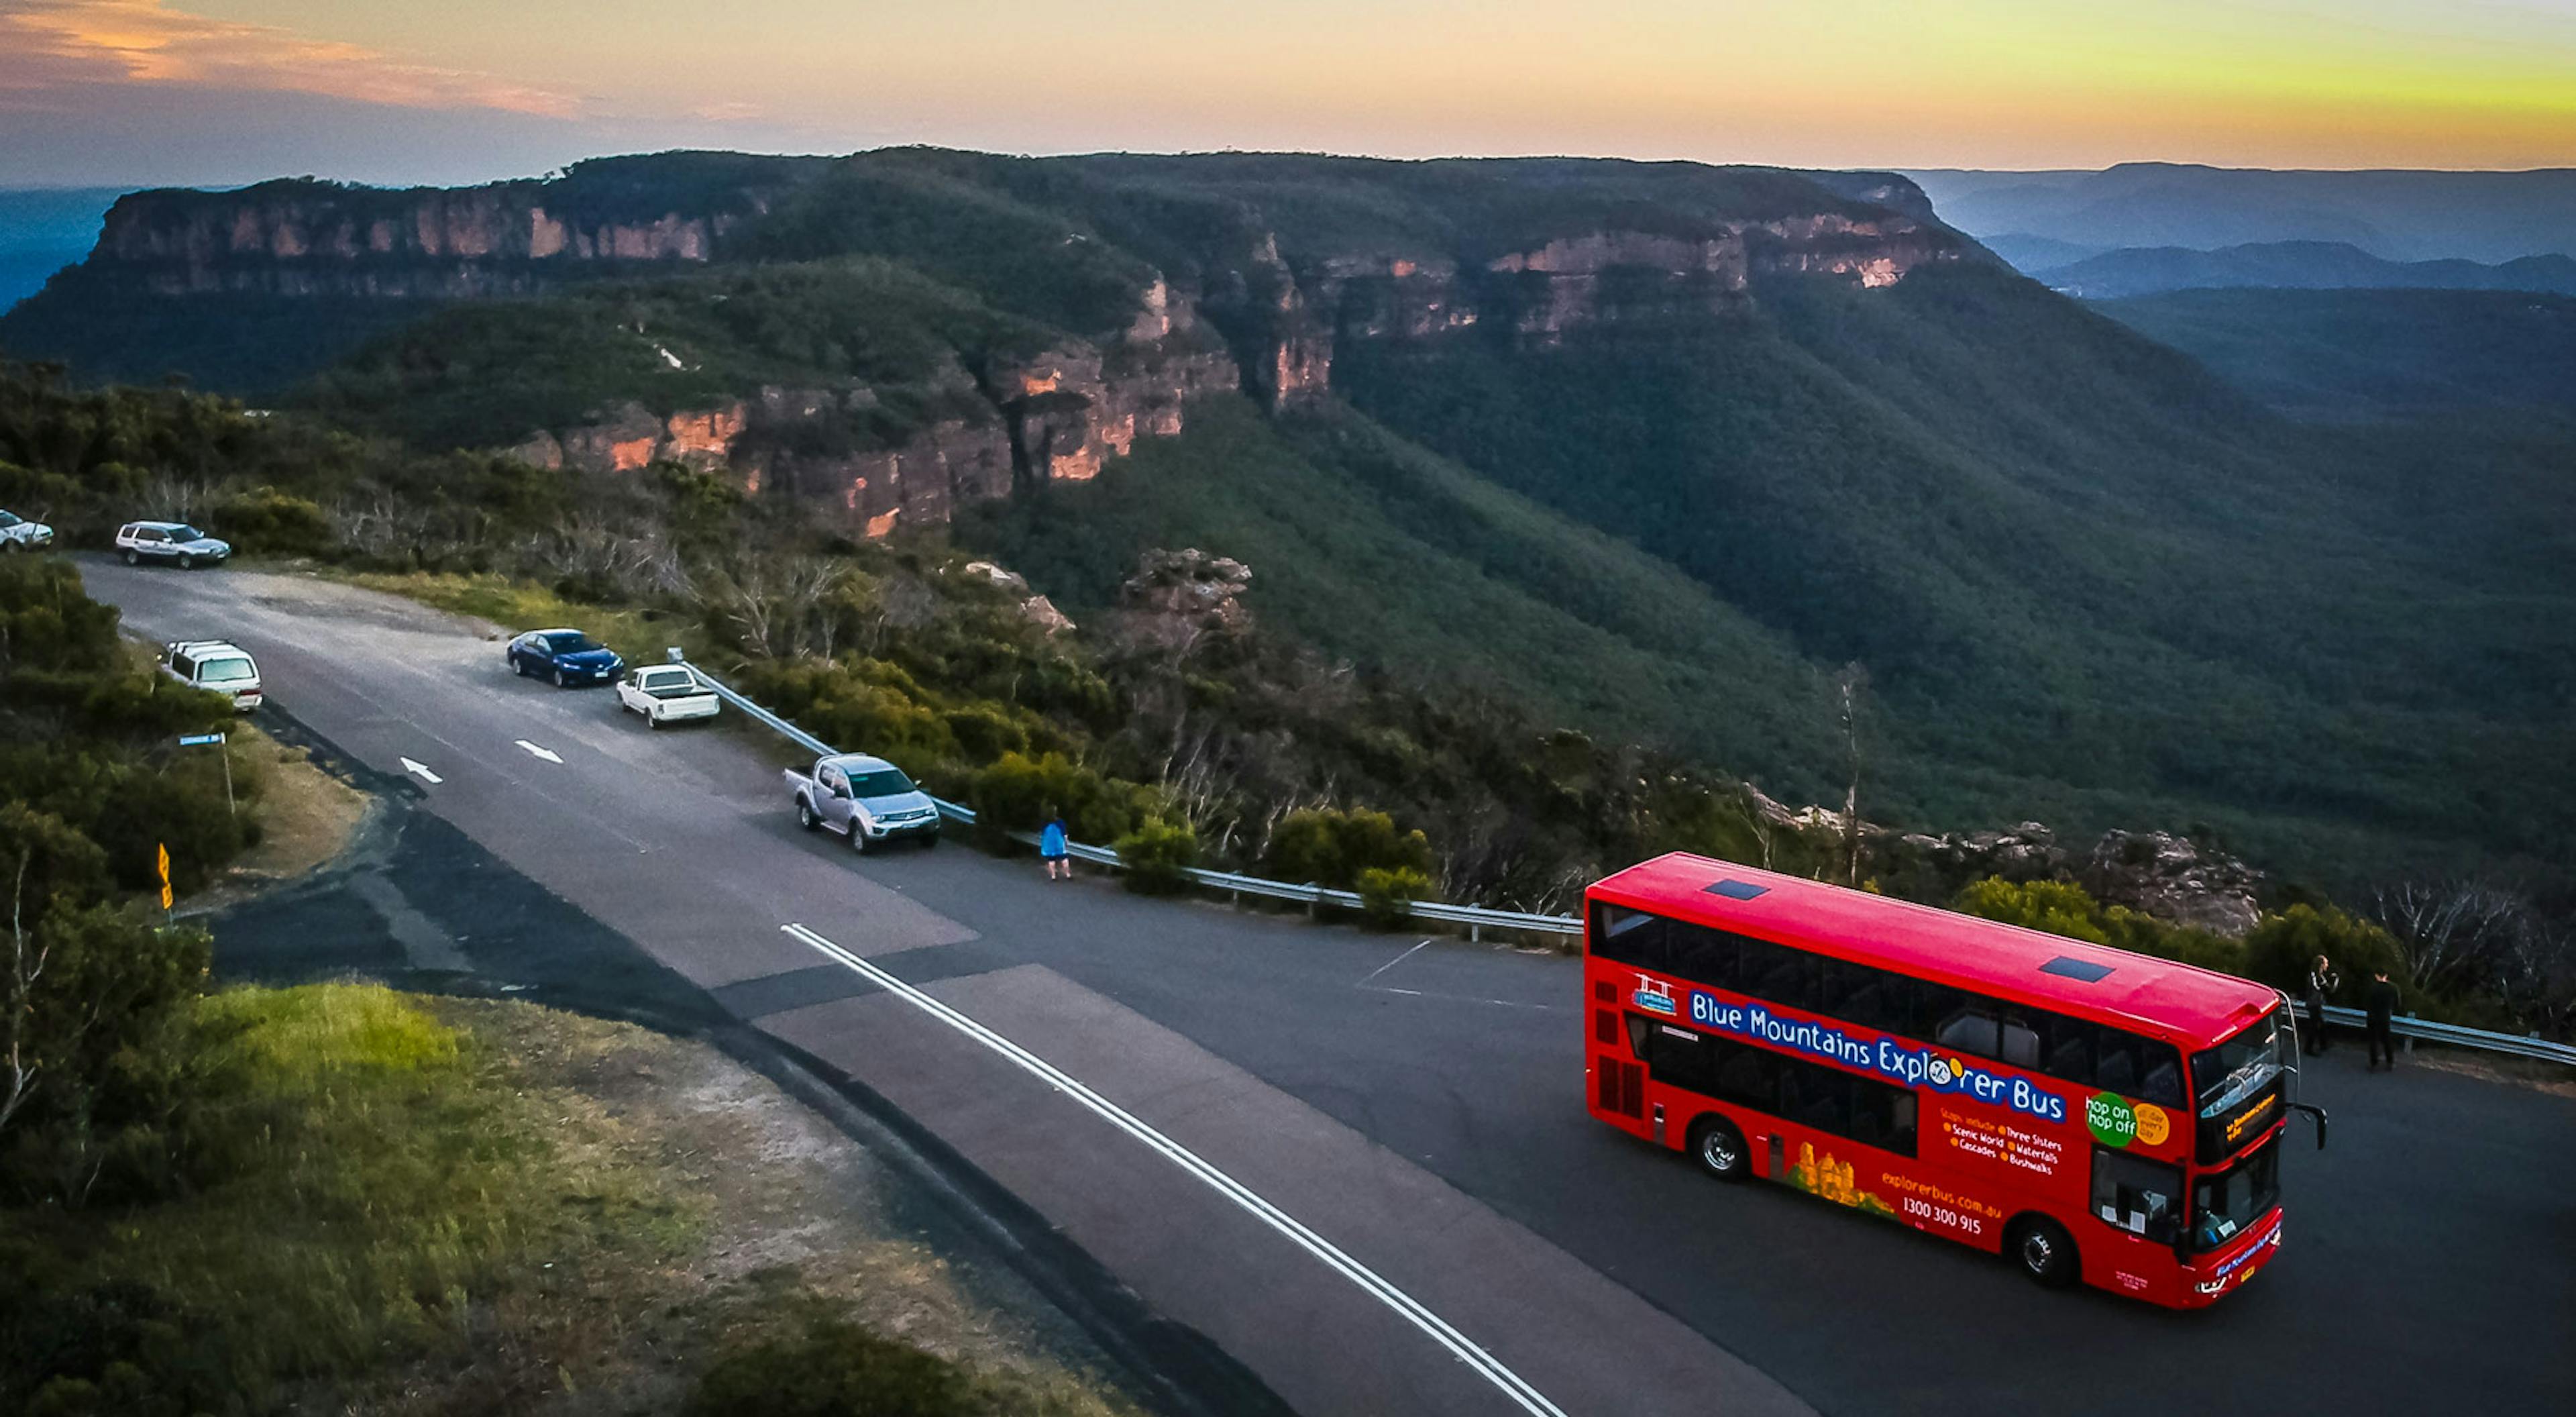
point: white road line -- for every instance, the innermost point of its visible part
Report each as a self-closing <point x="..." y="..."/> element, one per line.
<point x="536" y="751"/>
<point x="1488" y="1367"/>
<point x="422" y="769"/>
<point x="1458" y="998"/>
<point x="1390" y="964"/>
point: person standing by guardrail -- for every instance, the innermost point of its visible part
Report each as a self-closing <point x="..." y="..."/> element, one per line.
<point x="2322" y="980"/>
<point x="1051" y="848"/>
<point x="2379" y="1003"/>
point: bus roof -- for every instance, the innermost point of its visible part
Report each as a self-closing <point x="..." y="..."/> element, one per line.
<point x="2187" y="1004"/>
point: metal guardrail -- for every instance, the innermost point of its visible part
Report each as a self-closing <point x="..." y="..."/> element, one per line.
<point x="1478" y="919"/>
<point x="2454" y="1035"/>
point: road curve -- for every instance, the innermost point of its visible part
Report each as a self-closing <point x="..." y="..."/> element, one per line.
<point x="1364" y="1168"/>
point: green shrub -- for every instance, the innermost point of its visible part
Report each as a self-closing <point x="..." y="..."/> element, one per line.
<point x="1387" y="896"/>
<point x="1332" y="847"/>
<point x="1156" y="854"/>
<point x="2279" y="950"/>
<point x="265" y="519"/>
<point x="2064" y="908"/>
<point x="1014" y="793"/>
<point x="2058" y="907"/>
<point x="984" y="733"/>
<point x="834" y="1369"/>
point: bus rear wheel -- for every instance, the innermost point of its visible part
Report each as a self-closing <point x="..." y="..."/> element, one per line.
<point x="1719" y="1149"/>
<point x="2044" y="1251"/>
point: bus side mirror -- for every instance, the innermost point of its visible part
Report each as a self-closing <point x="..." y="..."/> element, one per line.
<point x="2319" y="1113"/>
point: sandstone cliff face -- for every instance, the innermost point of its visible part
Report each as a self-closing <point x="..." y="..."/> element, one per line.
<point x="313" y="239"/>
<point x="1286" y="320"/>
<point x="1061" y="416"/>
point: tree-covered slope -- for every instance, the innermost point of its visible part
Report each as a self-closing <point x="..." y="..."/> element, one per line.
<point x="1375" y="550"/>
<point x="1652" y="449"/>
<point x="2086" y="576"/>
<point x="2349" y="355"/>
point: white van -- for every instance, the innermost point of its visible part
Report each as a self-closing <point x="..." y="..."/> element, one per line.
<point x="216" y="666"/>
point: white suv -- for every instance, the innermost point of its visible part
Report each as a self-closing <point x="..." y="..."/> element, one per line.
<point x="19" y="534"/>
<point x="216" y="666"/>
<point x="175" y="542"/>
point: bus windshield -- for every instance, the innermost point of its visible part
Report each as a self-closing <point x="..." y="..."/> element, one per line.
<point x="2223" y="1203"/>
<point x="2225" y="1075"/>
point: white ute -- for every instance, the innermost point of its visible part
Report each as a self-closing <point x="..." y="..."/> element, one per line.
<point x="216" y="666"/>
<point x="666" y="693"/>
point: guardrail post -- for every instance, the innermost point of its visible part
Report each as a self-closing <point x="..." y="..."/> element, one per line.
<point x="2410" y="1038"/>
<point x="1475" y="933"/>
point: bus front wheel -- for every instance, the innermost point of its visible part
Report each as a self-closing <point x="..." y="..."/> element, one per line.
<point x="2044" y="1251"/>
<point x="1719" y="1149"/>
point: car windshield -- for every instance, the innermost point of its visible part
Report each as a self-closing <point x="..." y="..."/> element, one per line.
<point x="186" y="533"/>
<point x="571" y="642"/>
<point x="884" y="782"/>
<point x="2224" y="1203"/>
<point x="668" y="685"/>
<point x="8" y="519"/>
<point x="225" y="671"/>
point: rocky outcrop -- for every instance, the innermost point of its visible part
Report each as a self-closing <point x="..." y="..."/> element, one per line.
<point x="1061" y="416"/>
<point x="1037" y="609"/>
<point x="1177" y="599"/>
<point x="2025" y="852"/>
<point x="1073" y="409"/>
<point x="2168" y="877"/>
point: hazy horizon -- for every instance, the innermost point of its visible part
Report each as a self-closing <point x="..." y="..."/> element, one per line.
<point x="224" y="92"/>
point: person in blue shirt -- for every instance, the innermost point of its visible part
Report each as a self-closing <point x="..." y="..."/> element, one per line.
<point x="1051" y="839"/>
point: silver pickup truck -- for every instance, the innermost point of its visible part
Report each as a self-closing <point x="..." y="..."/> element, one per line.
<point x="867" y="799"/>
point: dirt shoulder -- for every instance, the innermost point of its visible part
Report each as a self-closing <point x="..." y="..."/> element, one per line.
<point x="778" y="1218"/>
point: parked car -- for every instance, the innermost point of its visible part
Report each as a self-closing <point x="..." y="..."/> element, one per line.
<point x="568" y="657"/>
<point x="175" y="542"/>
<point x="216" y="666"/>
<point x="19" y="534"/>
<point x="666" y="693"/>
<point x="867" y="799"/>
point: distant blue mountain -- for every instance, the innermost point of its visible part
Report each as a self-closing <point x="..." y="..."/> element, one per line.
<point x="43" y="230"/>
<point x="2029" y="254"/>
<point x="2294" y="265"/>
<point x="2397" y="214"/>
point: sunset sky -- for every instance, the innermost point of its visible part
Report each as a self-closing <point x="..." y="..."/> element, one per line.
<point x="125" y="92"/>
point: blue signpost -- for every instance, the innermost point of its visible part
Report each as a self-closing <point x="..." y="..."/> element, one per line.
<point x="216" y="740"/>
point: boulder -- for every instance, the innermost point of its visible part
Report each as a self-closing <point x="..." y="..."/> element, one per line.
<point x="1011" y="582"/>
<point x="1178" y="598"/>
<point x="2172" y="879"/>
<point x="1043" y="614"/>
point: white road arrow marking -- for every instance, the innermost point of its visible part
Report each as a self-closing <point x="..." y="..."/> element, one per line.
<point x="422" y="769"/>
<point x="544" y="753"/>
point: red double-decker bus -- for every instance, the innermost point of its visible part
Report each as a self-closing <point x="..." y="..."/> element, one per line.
<point x="2089" y="1113"/>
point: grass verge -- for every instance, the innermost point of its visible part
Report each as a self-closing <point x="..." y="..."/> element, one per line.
<point x="431" y="1206"/>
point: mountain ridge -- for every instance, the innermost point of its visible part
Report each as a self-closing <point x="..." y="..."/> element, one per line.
<point x="2294" y="265"/>
<point x="1652" y="448"/>
<point x="2394" y="213"/>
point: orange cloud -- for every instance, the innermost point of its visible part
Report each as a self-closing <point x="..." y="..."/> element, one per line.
<point x="55" y="43"/>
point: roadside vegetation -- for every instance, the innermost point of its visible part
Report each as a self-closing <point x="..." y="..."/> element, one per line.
<point x="260" y="1200"/>
<point x="387" y="1204"/>
<point x="1186" y="744"/>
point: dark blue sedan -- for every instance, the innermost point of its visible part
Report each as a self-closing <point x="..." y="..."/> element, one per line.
<point x="568" y="657"/>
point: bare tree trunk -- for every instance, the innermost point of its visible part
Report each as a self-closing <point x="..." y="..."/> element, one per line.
<point x="23" y="975"/>
<point x="1849" y="686"/>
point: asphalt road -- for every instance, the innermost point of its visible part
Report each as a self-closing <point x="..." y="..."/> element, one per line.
<point x="1432" y="1223"/>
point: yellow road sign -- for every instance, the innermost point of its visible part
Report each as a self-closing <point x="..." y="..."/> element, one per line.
<point x="165" y="876"/>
